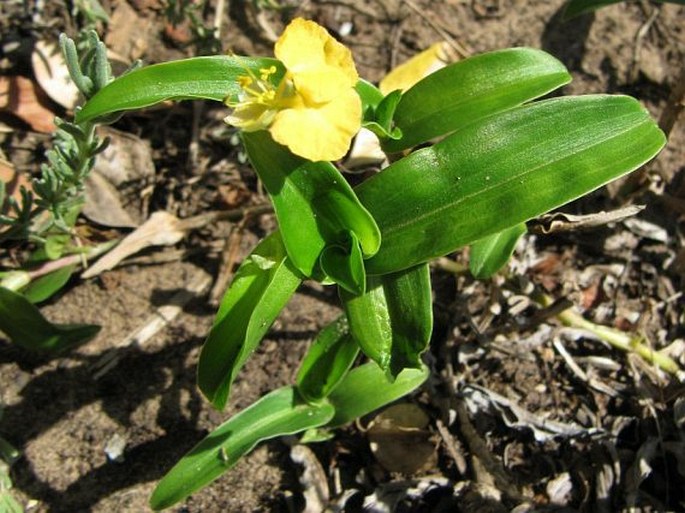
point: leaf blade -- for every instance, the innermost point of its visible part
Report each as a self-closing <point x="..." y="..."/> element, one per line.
<point x="327" y="361"/>
<point x="367" y="388"/>
<point x="262" y="286"/>
<point x="23" y="323"/>
<point x="521" y="163"/>
<point x="393" y="320"/>
<point x="210" y="78"/>
<point x="490" y="254"/>
<point x="278" y="413"/>
<point x="314" y="204"/>
<point x="468" y="90"/>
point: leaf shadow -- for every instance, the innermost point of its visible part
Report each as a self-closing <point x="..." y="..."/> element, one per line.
<point x="55" y="395"/>
<point x="567" y="40"/>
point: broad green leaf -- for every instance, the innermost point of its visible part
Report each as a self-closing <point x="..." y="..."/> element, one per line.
<point x="393" y="321"/>
<point x="327" y="361"/>
<point x="578" y="7"/>
<point x="262" y="286"/>
<point x="209" y="78"/>
<point x="367" y="388"/>
<point x="278" y="413"/>
<point x="344" y="264"/>
<point x="314" y="204"/>
<point x="25" y="326"/>
<point x="488" y="255"/>
<point x="502" y="171"/>
<point x="46" y="286"/>
<point x="468" y="90"/>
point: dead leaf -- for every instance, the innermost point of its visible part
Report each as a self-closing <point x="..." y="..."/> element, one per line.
<point x="558" y="222"/>
<point x="559" y="489"/>
<point x="126" y="157"/>
<point x="52" y="74"/>
<point x="22" y="98"/>
<point x="400" y="441"/>
<point x="647" y="230"/>
<point x="313" y="480"/>
<point x="162" y="229"/>
<point x="127" y="32"/>
<point x="233" y="195"/>
<point x="103" y="204"/>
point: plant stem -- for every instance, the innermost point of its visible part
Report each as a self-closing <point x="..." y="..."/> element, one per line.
<point x="16" y="280"/>
<point x="616" y="338"/>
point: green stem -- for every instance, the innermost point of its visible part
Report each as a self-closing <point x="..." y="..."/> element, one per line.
<point x="16" y="280"/>
<point x="616" y="338"/>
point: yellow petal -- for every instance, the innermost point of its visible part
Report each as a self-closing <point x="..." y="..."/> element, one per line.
<point x="323" y="133"/>
<point x="322" y="84"/>
<point x="319" y="65"/>
<point x="410" y="72"/>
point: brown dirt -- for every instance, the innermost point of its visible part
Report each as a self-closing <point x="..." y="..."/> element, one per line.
<point x="62" y="417"/>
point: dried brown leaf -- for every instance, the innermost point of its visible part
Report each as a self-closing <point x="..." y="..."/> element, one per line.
<point x="22" y="98"/>
<point x="52" y="74"/>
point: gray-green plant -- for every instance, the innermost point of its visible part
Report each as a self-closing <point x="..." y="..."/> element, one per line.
<point x="43" y="220"/>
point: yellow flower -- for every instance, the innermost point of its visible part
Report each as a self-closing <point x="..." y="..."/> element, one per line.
<point x="315" y="110"/>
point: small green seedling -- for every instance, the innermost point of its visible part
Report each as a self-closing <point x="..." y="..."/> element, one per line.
<point x="473" y="158"/>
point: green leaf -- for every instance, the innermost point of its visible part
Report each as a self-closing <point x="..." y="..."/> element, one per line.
<point x="344" y="264"/>
<point x="23" y="323"/>
<point x="382" y="122"/>
<point x="9" y="504"/>
<point x="327" y="361"/>
<point x="502" y="171"/>
<point x="314" y="204"/>
<point x="8" y="453"/>
<point x="489" y="254"/>
<point x="371" y="96"/>
<point x="262" y="286"/>
<point x="367" y="388"/>
<point x="209" y="78"/>
<point x="577" y="7"/>
<point x="46" y="286"/>
<point x="393" y="321"/>
<point x="278" y="413"/>
<point x="469" y="90"/>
